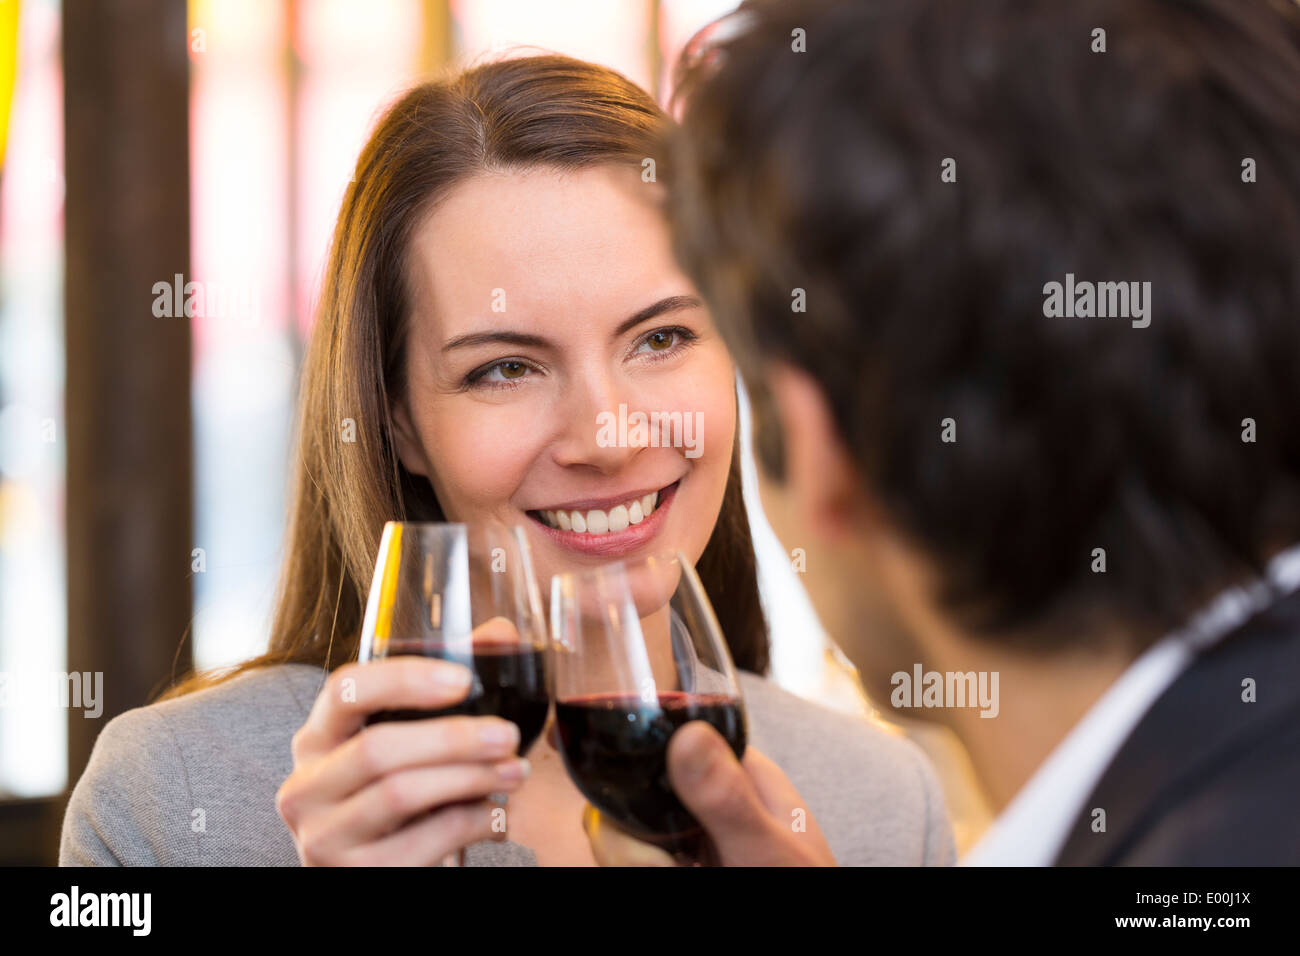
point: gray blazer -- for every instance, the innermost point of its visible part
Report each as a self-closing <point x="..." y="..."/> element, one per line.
<point x="192" y="781"/>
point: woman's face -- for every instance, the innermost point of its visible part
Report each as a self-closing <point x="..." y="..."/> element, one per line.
<point x="562" y="373"/>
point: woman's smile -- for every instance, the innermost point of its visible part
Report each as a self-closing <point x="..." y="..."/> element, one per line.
<point x="610" y="527"/>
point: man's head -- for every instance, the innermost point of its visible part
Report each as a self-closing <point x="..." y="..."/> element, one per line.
<point x="915" y="174"/>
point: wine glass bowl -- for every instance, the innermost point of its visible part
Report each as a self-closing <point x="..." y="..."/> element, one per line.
<point x="637" y="654"/>
<point x="463" y="593"/>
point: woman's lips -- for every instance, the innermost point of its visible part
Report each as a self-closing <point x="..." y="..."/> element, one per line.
<point x="613" y="543"/>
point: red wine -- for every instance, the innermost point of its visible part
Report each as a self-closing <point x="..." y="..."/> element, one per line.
<point x="508" y="683"/>
<point x="616" y="749"/>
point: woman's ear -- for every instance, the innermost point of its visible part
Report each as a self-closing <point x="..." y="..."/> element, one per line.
<point x="407" y="440"/>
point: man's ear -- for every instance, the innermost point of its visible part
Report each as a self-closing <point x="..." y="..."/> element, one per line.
<point x="407" y="440"/>
<point x="822" y="484"/>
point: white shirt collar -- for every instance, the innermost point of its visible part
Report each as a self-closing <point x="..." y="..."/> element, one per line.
<point x="1034" y="826"/>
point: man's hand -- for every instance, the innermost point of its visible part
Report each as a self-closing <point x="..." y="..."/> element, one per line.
<point x="751" y="812"/>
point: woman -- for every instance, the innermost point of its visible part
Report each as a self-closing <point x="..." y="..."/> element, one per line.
<point x="500" y="278"/>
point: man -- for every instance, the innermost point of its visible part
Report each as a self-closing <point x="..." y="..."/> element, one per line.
<point x="1021" y="282"/>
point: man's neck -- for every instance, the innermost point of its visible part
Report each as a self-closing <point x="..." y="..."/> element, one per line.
<point x="1041" y="699"/>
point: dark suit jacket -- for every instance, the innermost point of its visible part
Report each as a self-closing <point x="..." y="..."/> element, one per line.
<point x="1205" y="778"/>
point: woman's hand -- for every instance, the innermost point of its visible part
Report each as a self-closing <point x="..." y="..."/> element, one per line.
<point x="749" y="809"/>
<point x="402" y="792"/>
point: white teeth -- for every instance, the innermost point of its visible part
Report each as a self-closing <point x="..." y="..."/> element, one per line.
<point x="617" y="518"/>
<point x="596" y="521"/>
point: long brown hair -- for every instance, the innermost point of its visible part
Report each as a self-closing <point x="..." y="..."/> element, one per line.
<point x="512" y="114"/>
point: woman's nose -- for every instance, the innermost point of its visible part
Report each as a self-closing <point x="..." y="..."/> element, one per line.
<point x="591" y="434"/>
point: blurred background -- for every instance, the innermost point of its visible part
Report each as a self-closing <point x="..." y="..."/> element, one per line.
<point x="143" y="460"/>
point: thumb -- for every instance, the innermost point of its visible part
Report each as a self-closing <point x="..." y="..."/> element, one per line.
<point x="710" y="781"/>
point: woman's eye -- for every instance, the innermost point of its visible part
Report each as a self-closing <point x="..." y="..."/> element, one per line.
<point x="660" y="340"/>
<point x="665" y="341"/>
<point x="503" y="373"/>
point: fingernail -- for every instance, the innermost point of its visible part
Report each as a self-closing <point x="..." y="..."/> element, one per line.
<point x="500" y="732"/>
<point x="451" y="675"/>
<point x="514" y="769"/>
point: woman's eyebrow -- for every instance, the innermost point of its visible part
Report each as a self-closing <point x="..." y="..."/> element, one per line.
<point x="672" y="303"/>
<point x="500" y="336"/>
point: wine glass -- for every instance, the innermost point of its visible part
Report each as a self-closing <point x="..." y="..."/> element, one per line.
<point x="637" y="653"/>
<point x="463" y="593"/>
